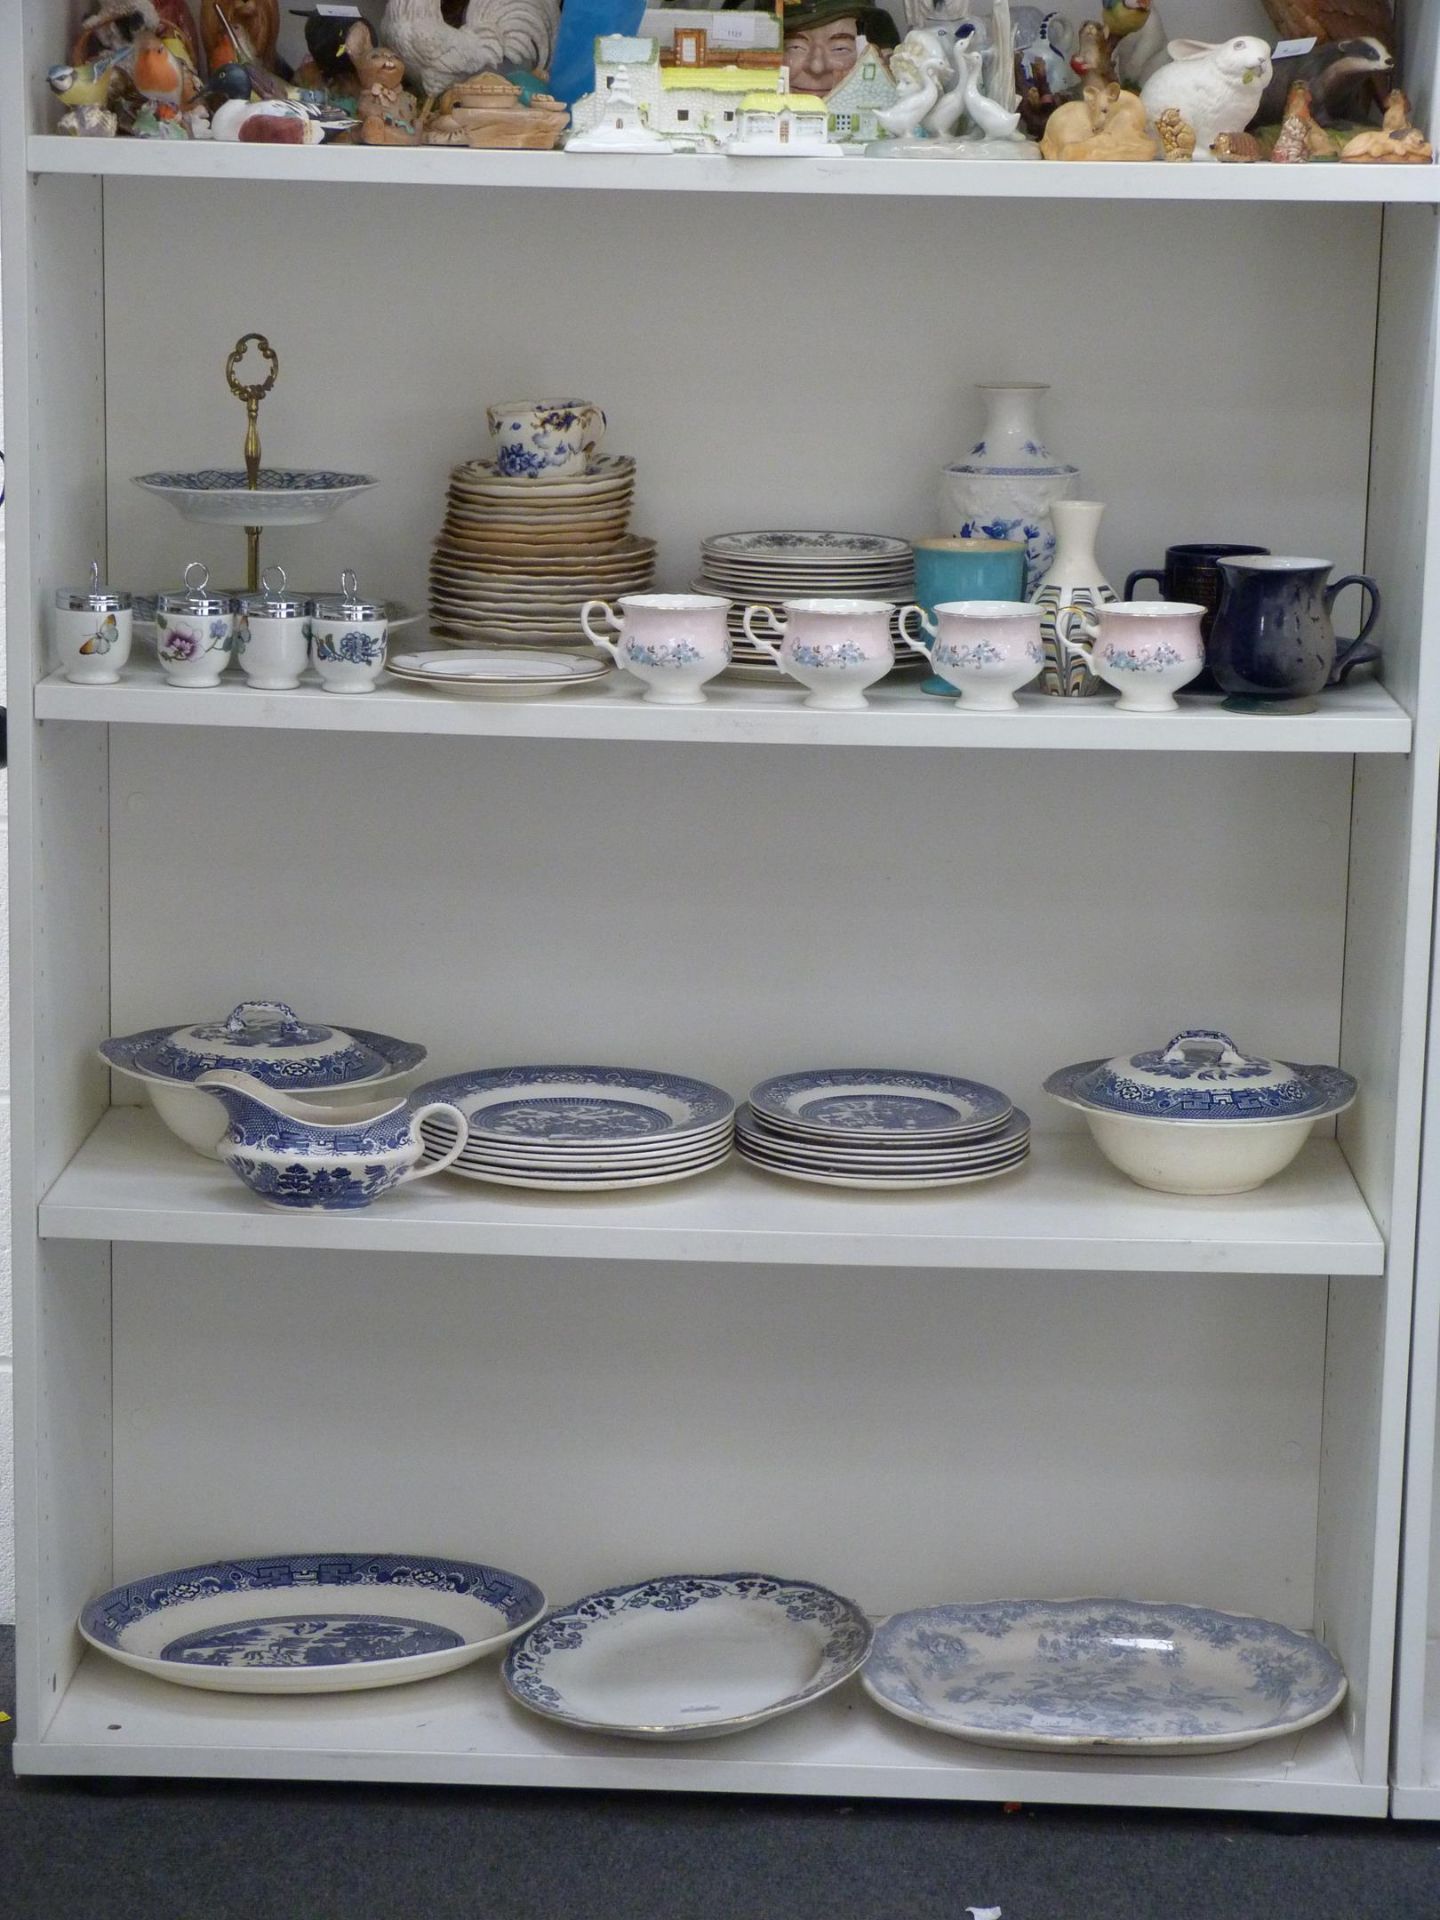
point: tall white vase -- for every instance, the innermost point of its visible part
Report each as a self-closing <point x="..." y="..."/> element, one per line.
<point x="1074" y="580"/>
<point x="1007" y="487"/>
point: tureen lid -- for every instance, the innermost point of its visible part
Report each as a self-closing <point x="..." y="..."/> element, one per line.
<point x="1202" y="1075"/>
<point x="265" y="1038"/>
<point x="196" y="597"/>
<point x="91" y="599"/>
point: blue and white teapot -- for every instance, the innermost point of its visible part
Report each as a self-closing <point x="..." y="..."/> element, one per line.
<point x="297" y="1153"/>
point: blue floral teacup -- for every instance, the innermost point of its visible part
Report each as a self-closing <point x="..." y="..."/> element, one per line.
<point x="543" y="439"/>
<point x="302" y="1154"/>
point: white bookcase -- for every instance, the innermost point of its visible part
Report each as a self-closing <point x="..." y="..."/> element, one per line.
<point x="1056" y="1384"/>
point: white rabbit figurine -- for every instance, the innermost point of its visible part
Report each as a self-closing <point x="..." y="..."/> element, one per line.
<point x="1215" y="87"/>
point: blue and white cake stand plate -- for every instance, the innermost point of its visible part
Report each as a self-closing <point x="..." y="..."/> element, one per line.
<point x="312" y="1622"/>
<point x="1101" y="1676"/>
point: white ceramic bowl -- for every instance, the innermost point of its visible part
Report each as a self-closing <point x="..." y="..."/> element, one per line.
<point x="1198" y="1156"/>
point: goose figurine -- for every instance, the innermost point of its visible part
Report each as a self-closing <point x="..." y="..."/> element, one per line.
<point x="992" y="120"/>
<point x="919" y="67"/>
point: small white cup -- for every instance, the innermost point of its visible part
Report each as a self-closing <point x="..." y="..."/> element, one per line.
<point x="90" y="630"/>
<point x="674" y="642"/>
<point x="987" y="649"/>
<point x="272" y="636"/>
<point x="194" y="631"/>
<point x="836" y="648"/>
<point x="1145" y="649"/>
<point x="348" y="639"/>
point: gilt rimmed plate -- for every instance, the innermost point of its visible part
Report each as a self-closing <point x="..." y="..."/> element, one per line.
<point x="485" y="473"/>
<point x="782" y="545"/>
<point x="311" y="1622"/>
<point x="879" y="1102"/>
<point x="284" y="496"/>
<point x="688" y="1656"/>
<point x="1101" y="1676"/>
<point x="446" y="665"/>
<point x="588" y="1104"/>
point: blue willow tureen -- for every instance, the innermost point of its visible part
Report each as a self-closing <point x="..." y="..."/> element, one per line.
<point x="1202" y="1075"/>
<point x="265" y="1038"/>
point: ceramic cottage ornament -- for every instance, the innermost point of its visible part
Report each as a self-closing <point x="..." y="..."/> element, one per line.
<point x="1215" y="87"/>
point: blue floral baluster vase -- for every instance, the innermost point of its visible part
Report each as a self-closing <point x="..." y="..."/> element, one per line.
<point x="1007" y="485"/>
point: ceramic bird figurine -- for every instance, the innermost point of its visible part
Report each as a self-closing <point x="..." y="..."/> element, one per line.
<point x="494" y="34"/>
<point x="1216" y="88"/>
<point x="91" y="83"/>
<point x="1333" y="19"/>
<point x="992" y="120"/>
<point x="240" y="30"/>
<point x="119" y="23"/>
<point x="920" y="68"/>
<point x="164" y="76"/>
<point x="1123" y="17"/>
<point x="1299" y="138"/>
<point x="266" y="122"/>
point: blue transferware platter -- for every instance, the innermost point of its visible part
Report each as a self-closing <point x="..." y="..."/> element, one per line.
<point x="1201" y="1075"/>
<point x="588" y="1106"/>
<point x="688" y="1656"/>
<point x="878" y="1103"/>
<point x="312" y="1622"/>
<point x="264" y="1037"/>
<point x="284" y="496"/>
<point x="1101" y="1676"/>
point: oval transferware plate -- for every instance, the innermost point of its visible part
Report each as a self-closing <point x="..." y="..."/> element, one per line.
<point x="688" y="1656"/>
<point x="878" y="1102"/>
<point x="285" y="496"/>
<point x="579" y="1104"/>
<point x="1101" y="1675"/>
<point x="312" y="1622"/>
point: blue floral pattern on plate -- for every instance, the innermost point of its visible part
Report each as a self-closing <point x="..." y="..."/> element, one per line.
<point x="587" y="1104"/>
<point x="269" y="480"/>
<point x="530" y="1675"/>
<point x="1101" y="1673"/>
<point x="880" y="1101"/>
<point x="305" y="1629"/>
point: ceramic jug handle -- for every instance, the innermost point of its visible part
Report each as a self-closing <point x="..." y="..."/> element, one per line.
<point x="777" y="626"/>
<point x="602" y="608"/>
<point x="421" y="1170"/>
<point x="1145" y="573"/>
<point x="1080" y="649"/>
<point x="908" y="639"/>
<point x="1350" y="654"/>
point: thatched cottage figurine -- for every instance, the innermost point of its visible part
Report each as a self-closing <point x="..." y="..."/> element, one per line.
<point x="866" y="91"/>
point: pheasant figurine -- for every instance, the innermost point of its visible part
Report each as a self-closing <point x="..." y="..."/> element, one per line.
<point x="1333" y="19"/>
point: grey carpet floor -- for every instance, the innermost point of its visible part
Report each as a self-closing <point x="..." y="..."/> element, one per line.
<point x="230" y="1852"/>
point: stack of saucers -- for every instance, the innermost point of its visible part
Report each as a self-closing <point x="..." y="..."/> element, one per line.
<point x="792" y="564"/>
<point x="883" y="1128"/>
<point x="518" y="557"/>
<point x="581" y="1129"/>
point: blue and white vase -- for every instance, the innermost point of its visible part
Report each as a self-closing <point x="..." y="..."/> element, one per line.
<point x="1006" y="487"/>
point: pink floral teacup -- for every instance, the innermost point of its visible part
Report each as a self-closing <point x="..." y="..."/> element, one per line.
<point x="1144" y="649"/>
<point x="836" y="648"/>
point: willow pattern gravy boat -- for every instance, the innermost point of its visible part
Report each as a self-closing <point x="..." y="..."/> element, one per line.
<point x="297" y="1153"/>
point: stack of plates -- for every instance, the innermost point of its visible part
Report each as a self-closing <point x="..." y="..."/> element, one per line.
<point x="882" y="1128"/>
<point x="581" y="1129"/>
<point x="790" y="564"/>
<point x="495" y="674"/>
<point x="517" y="558"/>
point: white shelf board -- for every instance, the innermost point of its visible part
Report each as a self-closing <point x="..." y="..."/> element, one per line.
<point x="1420" y="1799"/>
<point x="837" y="173"/>
<point x="1068" y="1210"/>
<point x="463" y="1729"/>
<point x="1360" y="718"/>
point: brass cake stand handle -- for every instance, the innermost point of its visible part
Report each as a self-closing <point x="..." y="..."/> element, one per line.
<point x="252" y="395"/>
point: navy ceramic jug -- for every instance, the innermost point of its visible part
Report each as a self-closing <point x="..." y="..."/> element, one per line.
<point x="1272" y="641"/>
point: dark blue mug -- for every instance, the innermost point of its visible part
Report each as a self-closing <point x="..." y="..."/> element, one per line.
<point x="1273" y="642"/>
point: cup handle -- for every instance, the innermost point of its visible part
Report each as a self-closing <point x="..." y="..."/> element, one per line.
<point x="599" y="639"/>
<point x="420" y="1171"/>
<point x="776" y="626"/>
<point x="902" y="622"/>
<point x="594" y="428"/>
<point x="1080" y="649"/>
<point x="1145" y="573"/>
<point x="1350" y="654"/>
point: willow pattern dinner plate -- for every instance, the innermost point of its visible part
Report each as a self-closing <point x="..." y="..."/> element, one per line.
<point x="1101" y="1676"/>
<point x="566" y="1105"/>
<point x="688" y="1656"/>
<point x="311" y="1622"/>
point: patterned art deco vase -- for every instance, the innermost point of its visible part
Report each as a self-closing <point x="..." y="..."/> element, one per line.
<point x="1074" y="580"/>
<point x="1008" y="484"/>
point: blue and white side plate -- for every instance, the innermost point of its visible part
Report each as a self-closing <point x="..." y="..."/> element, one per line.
<point x="688" y="1656"/>
<point x="885" y="1157"/>
<point x="878" y="1103"/>
<point x="1102" y="1676"/>
<point x="591" y="1106"/>
<point x="312" y="1622"/>
<point x="284" y="496"/>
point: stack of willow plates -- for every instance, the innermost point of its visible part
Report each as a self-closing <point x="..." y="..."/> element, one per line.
<point x="518" y="557"/>
<point x="581" y="1129"/>
<point x="495" y="673"/>
<point x="767" y="568"/>
<point x="883" y="1128"/>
